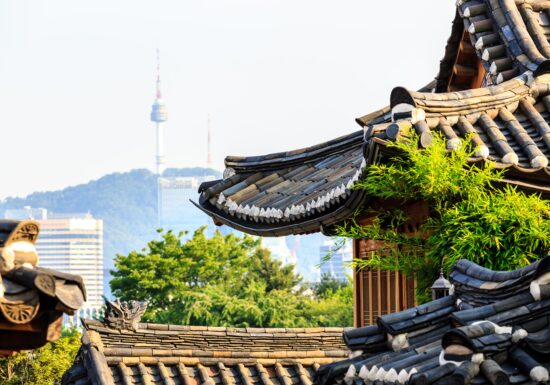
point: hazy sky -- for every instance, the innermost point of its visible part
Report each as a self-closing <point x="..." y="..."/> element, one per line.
<point x="77" y="78"/>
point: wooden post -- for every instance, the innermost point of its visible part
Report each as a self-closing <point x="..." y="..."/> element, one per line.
<point x="357" y="297"/>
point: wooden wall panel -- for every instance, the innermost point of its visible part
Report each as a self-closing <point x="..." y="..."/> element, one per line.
<point x="378" y="292"/>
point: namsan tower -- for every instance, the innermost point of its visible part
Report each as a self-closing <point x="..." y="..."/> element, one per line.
<point x="159" y="115"/>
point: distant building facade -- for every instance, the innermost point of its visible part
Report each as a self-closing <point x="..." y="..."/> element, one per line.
<point x="71" y="243"/>
<point x="280" y="251"/>
<point x="176" y="212"/>
<point x="335" y="260"/>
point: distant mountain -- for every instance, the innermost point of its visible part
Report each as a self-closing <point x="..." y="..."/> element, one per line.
<point x="127" y="203"/>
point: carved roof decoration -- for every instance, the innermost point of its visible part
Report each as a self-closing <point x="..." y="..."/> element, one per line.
<point x="500" y="42"/>
<point x="32" y="299"/>
<point x="193" y="355"/>
<point x="124" y="315"/>
<point x="14" y="231"/>
<point x="494" y="329"/>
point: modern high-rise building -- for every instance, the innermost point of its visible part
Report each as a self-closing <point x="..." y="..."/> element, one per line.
<point x="71" y="243"/>
<point x="279" y="250"/>
<point x="176" y="212"/>
<point x="335" y="259"/>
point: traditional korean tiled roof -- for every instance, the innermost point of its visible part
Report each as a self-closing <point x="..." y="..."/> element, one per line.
<point x="508" y="123"/>
<point x="32" y="299"/>
<point x="511" y="36"/>
<point x="304" y="192"/>
<point x="494" y="329"/>
<point x="308" y="190"/>
<point x="265" y="194"/>
<point x="196" y="355"/>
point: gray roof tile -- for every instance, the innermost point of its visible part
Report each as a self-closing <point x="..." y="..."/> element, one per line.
<point x="204" y="355"/>
<point x="507" y="337"/>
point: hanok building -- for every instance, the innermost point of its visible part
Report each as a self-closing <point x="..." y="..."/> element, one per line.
<point x="32" y="299"/>
<point x="493" y="85"/>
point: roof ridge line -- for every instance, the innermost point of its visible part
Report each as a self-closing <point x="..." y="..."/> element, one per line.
<point x="94" y="325"/>
<point x="401" y="95"/>
<point x="287" y="158"/>
<point x="471" y="101"/>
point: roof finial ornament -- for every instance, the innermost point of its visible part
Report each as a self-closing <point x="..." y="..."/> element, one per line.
<point x="124" y="315"/>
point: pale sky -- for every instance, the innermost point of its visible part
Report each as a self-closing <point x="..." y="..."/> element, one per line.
<point x="77" y="78"/>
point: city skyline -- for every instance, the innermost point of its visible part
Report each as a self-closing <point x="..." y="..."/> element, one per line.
<point x="89" y="91"/>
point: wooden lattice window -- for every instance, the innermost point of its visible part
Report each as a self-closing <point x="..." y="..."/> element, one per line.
<point x="379" y="292"/>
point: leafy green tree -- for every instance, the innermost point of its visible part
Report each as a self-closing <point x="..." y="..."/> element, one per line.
<point x="329" y="285"/>
<point x="44" y="365"/>
<point x="218" y="281"/>
<point x="249" y="305"/>
<point x="334" y="303"/>
<point x="471" y="217"/>
<point x="272" y="272"/>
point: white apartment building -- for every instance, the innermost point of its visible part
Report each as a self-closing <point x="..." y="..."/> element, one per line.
<point x="175" y="210"/>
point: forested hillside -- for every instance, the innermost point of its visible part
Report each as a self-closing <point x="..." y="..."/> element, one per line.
<point x="125" y="201"/>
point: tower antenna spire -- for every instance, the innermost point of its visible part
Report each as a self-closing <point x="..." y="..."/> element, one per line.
<point x="159" y="115"/>
<point x="159" y="94"/>
<point x="209" y="159"/>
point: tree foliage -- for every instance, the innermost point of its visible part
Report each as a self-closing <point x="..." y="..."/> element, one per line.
<point x="44" y="365"/>
<point x="221" y="281"/>
<point x="334" y="298"/>
<point x="328" y="285"/>
<point x="472" y="217"/>
<point x="333" y="306"/>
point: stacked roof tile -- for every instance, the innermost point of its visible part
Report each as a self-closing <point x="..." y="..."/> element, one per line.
<point x="503" y="121"/>
<point x="494" y="329"/>
<point x="194" y="355"/>
<point x="308" y="190"/>
<point x="511" y="36"/>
